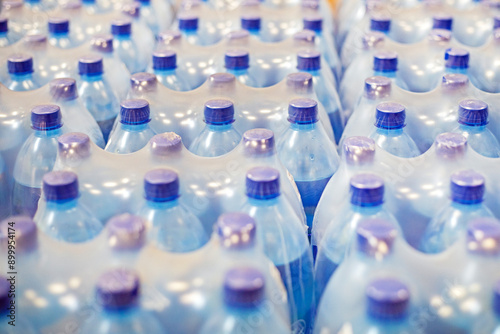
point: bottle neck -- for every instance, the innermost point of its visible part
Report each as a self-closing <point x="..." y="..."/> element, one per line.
<point x="48" y="133"/>
<point x="165" y="72"/>
<point x="466" y="207"/>
<point x="62" y="205"/>
<point x="314" y="73"/>
<point x="91" y="78"/>
<point x="387" y="74"/>
<point x="263" y="202"/>
<point x="303" y="126"/>
<point x="472" y="129"/>
<point x="451" y="70"/>
<point x="21" y="77"/>
<point x="123" y="313"/>
<point x="162" y="205"/>
<point x="59" y="35"/>
<point x="237" y="73"/>
<point x="390" y="132"/>
<point x="122" y="37"/>
<point x="134" y="127"/>
<point x="366" y="210"/>
<point x="219" y="127"/>
<point x="190" y="32"/>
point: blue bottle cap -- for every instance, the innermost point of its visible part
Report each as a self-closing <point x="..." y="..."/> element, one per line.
<point x="439" y="35"/>
<point x="165" y="144"/>
<point x="132" y="9"/>
<point x="442" y="21"/>
<point x="380" y="23"/>
<point x="467" y="187"/>
<point x="496" y="22"/>
<point x="359" y="150"/>
<point x="4" y="293"/>
<point x="367" y="190"/>
<point x="308" y="60"/>
<point x="126" y="232"/>
<point x="303" y="111"/>
<point x="169" y="36"/>
<point x="161" y="185"/>
<point x="164" y="60"/>
<point x="35" y="40"/>
<point x="455" y="81"/>
<point x="90" y="65"/>
<point x="46" y="117"/>
<point x="121" y="27"/>
<point x="4" y="24"/>
<point x="102" y="43"/>
<point x="143" y="82"/>
<point x="300" y="83"/>
<point x="243" y="287"/>
<point x="450" y="145"/>
<point x="188" y="22"/>
<point x="63" y="89"/>
<point x="388" y="298"/>
<point x="456" y="58"/>
<point x="390" y="116"/>
<point x="483" y="236"/>
<point x="250" y="22"/>
<point x="134" y="112"/>
<point x="58" y="25"/>
<point x="496" y="298"/>
<point x="377" y="87"/>
<point x="238" y="34"/>
<point x="263" y="183"/>
<point x="371" y="39"/>
<point x="236" y="59"/>
<point x="219" y="112"/>
<point x="60" y="186"/>
<point x="375" y="237"/>
<point x="118" y="289"/>
<point x="473" y="112"/>
<point x="305" y="36"/>
<point x="20" y="64"/>
<point x="26" y="233"/>
<point x="258" y="142"/>
<point x="385" y="61"/>
<point x="313" y="22"/>
<point x="236" y="230"/>
<point x="73" y="144"/>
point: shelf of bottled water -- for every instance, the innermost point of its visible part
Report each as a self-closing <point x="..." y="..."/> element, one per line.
<point x="250" y="166"/>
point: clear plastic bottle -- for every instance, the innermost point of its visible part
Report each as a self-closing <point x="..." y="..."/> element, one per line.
<point x="124" y="46"/>
<point x="164" y="67"/>
<point x="21" y="76"/>
<point x="467" y="194"/>
<point x="36" y="157"/>
<point x="237" y="62"/>
<point x="172" y="227"/>
<point x="219" y="136"/>
<point x="385" y="64"/>
<point x="456" y="61"/>
<point x="132" y="132"/>
<point x="59" y="33"/>
<point x="62" y="216"/>
<point x="188" y="25"/>
<point x="150" y="16"/>
<point x="389" y="131"/>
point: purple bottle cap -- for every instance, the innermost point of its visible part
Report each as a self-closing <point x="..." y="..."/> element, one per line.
<point x="303" y="111"/>
<point x="58" y="25"/>
<point x="473" y="112"/>
<point x="483" y="236"/>
<point x="250" y="3"/>
<point x="496" y="298"/>
<point x="11" y="4"/>
<point x="243" y="287"/>
<point x="439" y="35"/>
<point x="450" y="145"/>
<point x="35" y="40"/>
<point x="46" y="117"/>
<point x="60" y="186"/>
<point x="300" y="83"/>
<point x="73" y="145"/>
<point x="236" y="230"/>
<point x="134" y="112"/>
<point x="219" y="112"/>
<point x="376" y="237"/>
<point x="90" y="65"/>
<point x="102" y="43"/>
<point x="377" y="87"/>
<point x="250" y="22"/>
<point x="20" y="64"/>
<point x="359" y="150"/>
<point x="4" y="293"/>
<point x="455" y="81"/>
<point x="25" y="235"/>
<point x="188" y="22"/>
<point x="63" y="89"/>
<point x="313" y="22"/>
<point x="72" y="5"/>
<point x="456" y="58"/>
<point x="121" y="27"/>
<point x="143" y="82"/>
<point x="118" y="289"/>
<point x="222" y="81"/>
<point x="380" y="22"/>
<point x="385" y="61"/>
<point x="467" y="187"/>
<point x="126" y="232"/>
<point x="305" y="36"/>
<point x="263" y="183"/>
<point x="388" y="298"/>
<point x="4" y="24"/>
<point x="442" y="21"/>
<point x="161" y="185"/>
<point x="169" y="36"/>
<point x="308" y="60"/>
<point x="165" y="143"/>
<point x="367" y="190"/>
<point x="238" y="34"/>
<point x="186" y="5"/>
<point x="496" y="22"/>
<point x="371" y="39"/>
<point x="132" y="9"/>
<point x="390" y="116"/>
<point x="164" y="60"/>
<point x="258" y="142"/>
<point x="311" y="4"/>
<point x="236" y="59"/>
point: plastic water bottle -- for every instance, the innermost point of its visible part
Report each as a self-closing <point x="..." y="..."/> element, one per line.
<point x="389" y="131"/>
<point x="442" y="21"/>
<point x="237" y="63"/>
<point x="133" y="131"/>
<point x="124" y="46"/>
<point x="467" y="195"/>
<point x="21" y="76"/>
<point x="310" y="61"/>
<point x="456" y="61"/>
<point x="172" y="227"/>
<point x="7" y="302"/>
<point x="366" y="202"/>
<point x="385" y="64"/>
<point x="118" y="293"/>
<point x="5" y="196"/>
<point x="473" y="119"/>
<point x="59" y="33"/>
<point x="62" y="216"/>
<point x="244" y="301"/>
<point x="219" y="136"/>
<point x="126" y="236"/>
<point x="36" y="157"/>
<point x="164" y="67"/>
<point x="251" y="23"/>
<point x="283" y="236"/>
<point x="97" y="94"/>
<point x="7" y="37"/>
<point x="149" y="16"/>
<point x="307" y="153"/>
<point x="188" y="25"/>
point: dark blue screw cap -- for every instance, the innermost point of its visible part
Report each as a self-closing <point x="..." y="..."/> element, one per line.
<point x="4" y="24"/>
<point x="473" y="112"/>
<point x="258" y="142"/>
<point x="385" y="62"/>
<point x="442" y="21"/>
<point x="236" y="230"/>
<point x="118" y="289"/>
<point x="390" y="116"/>
<point x="58" y="25"/>
<point x="121" y="27"/>
<point x="309" y="60"/>
<point x="303" y="111"/>
<point x="483" y="236"/>
<point x="456" y="58"/>
<point x="237" y="59"/>
<point x="46" y="117"/>
<point x="388" y="298"/>
<point x="126" y="232"/>
<point x="243" y="287"/>
<point x="60" y="186"/>
<point x="376" y="237"/>
<point x="188" y="22"/>
<point x="63" y="89"/>
<point x="90" y="65"/>
<point x="161" y="185"/>
<point x="219" y="112"/>
<point x="134" y="112"/>
<point x="20" y="64"/>
<point x="313" y="22"/>
<point x="380" y="23"/>
<point x="250" y="22"/>
<point x="164" y="60"/>
<point x="263" y="183"/>
<point x="467" y="187"/>
<point x="367" y="190"/>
